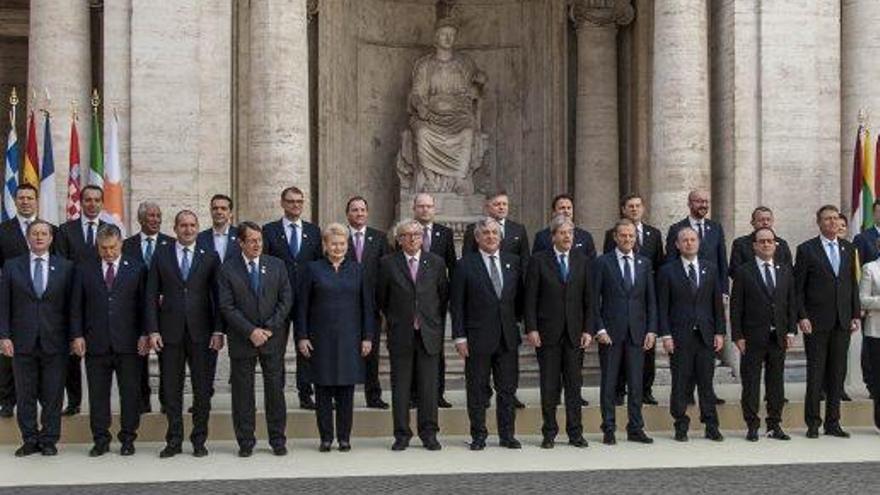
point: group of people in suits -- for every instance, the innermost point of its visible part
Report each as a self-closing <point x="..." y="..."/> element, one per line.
<point x="82" y="291"/>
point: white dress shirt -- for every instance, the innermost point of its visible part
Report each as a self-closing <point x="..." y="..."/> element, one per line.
<point x="696" y="262"/>
<point x="179" y="248"/>
<point x="826" y="242"/>
<point x="45" y="258"/>
<point x="221" y="241"/>
<point x="631" y="261"/>
<point x="760" y="263"/>
<point x="299" y="230"/>
<point x="84" y="222"/>
<point x="144" y="243"/>
<point x="105" y="266"/>
<point x="695" y="224"/>
<point x="23" y="223"/>
<point x="640" y="233"/>
<point x="247" y="262"/>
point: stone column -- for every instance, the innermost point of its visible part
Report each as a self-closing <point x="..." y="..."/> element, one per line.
<point x="278" y="121"/>
<point x="597" y="164"/>
<point x="59" y="60"/>
<point x="117" y="89"/>
<point x="680" y="145"/>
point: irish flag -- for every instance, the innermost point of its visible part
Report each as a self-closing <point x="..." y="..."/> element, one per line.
<point x="865" y="183"/>
<point x="113" y="203"/>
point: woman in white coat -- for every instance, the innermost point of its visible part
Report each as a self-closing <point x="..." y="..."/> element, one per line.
<point x="869" y="293"/>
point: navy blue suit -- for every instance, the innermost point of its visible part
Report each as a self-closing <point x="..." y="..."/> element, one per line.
<point x="583" y="242"/>
<point x="866" y="243"/>
<point x="713" y="247"/>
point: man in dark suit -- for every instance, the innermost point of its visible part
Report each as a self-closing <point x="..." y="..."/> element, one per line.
<point x="412" y="293"/>
<point x="184" y="327"/>
<point x="107" y="325"/>
<point x="625" y="315"/>
<point x="557" y="315"/>
<point x="222" y="239"/>
<point x="142" y="246"/>
<point x="367" y="246"/>
<point x="76" y="242"/>
<point x="296" y="242"/>
<point x="828" y="311"/>
<point x="649" y="244"/>
<point x="486" y="306"/>
<point x="742" y="250"/>
<point x="763" y="320"/>
<point x="563" y="204"/>
<point x="35" y="332"/>
<point x="691" y="324"/>
<point x="255" y="300"/>
<point x="436" y="239"/>
<point x="13" y="243"/>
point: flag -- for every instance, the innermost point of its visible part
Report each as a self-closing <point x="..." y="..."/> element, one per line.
<point x="864" y="185"/>
<point x="48" y="196"/>
<point x="73" y="178"/>
<point x="30" y="172"/>
<point x="113" y="203"/>
<point x="96" y="153"/>
<point x="12" y="159"/>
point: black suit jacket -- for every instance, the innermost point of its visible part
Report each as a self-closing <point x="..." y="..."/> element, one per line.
<point x="443" y="245"/>
<point x="12" y="241"/>
<point x="651" y="248"/>
<point x="617" y="311"/>
<point x="742" y="252"/>
<point x="205" y="240"/>
<point x="712" y="247"/>
<point x="310" y="249"/>
<point x="515" y="241"/>
<point x="131" y="246"/>
<point x="375" y="247"/>
<point x="555" y="308"/>
<point x="401" y="301"/>
<point x="243" y="310"/>
<point x="754" y="309"/>
<point x="111" y="321"/>
<point x="478" y="315"/>
<point x="583" y="241"/>
<point x="824" y="298"/>
<point x="174" y="305"/>
<point x="680" y="309"/>
<point x="24" y="317"/>
<point x="71" y="244"/>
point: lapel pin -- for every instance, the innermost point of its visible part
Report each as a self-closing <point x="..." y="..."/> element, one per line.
<point x="639" y="262"/>
<point x="370" y="238"/>
<point x="263" y="270"/>
<point x="777" y="267"/>
<point x="51" y="268"/>
<point x="232" y="237"/>
<point x="507" y="266"/>
<point x="201" y="251"/>
<point x="125" y="262"/>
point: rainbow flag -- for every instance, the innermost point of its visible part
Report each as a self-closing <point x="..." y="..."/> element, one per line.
<point x="865" y="183"/>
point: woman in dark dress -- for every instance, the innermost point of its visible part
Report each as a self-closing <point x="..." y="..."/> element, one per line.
<point x="334" y="330"/>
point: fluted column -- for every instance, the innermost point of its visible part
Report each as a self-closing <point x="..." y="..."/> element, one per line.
<point x="680" y="146"/>
<point x="597" y="164"/>
<point x="278" y="122"/>
<point x="59" y="60"/>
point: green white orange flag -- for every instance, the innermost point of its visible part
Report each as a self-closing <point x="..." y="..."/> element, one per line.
<point x="113" y="202"/>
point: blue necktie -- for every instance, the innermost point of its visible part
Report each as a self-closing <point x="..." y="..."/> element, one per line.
<point x="692" y="276"/>
<point x="627" y="275"/>
<point x="834" y="257"/>
<point x="293" y="243"/>
<point x="148" y="252"/>
<point x="39" y="277"/>
<point x="184" y="264"/>
<point x="255" y="277"/>
<point x="563" y="268"/>
<point x="768" y="278"/>
<point x="90" y="234"/>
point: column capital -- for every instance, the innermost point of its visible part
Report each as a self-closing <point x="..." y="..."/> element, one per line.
<point x="600" y="13"/>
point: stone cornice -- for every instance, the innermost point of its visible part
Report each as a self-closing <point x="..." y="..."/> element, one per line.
<point x="601" y="12"/>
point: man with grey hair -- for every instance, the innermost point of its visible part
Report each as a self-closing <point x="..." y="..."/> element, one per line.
<point x="485" y="326"/>
<point x="141" y="247"/>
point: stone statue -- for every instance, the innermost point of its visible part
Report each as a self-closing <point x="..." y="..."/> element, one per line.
<point x="444" y="143"/>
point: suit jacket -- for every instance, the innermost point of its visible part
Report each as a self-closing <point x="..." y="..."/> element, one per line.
<point x="243" y="310"/>
<point x="712" y="247"/>
<point x="71" y="244"/>
<point x="583" y="241"/>
<point x="824" y="298"/>
<point x="401" y="301"/>
<point x="310" y="249"/>
<point x="24" y="317"/>
<point x="131" y="247"/>
<point x="205" y="240"/>
<point x="558" y="309"/>
<point x="515" y="241"/>
<point x="622" y="313"/>
<point x="375" y="247"/>
<point x="651" y="248"/>
<point x="443" y="245"/>
<point x="12" y="241"/>
<point x="754" y="309"/>
<point x="742" y="252"/>
<point x="111" y="321"/>
<point x="866" y="242"/>
<point x="478" y="315"/>
<point x="680" y="309"/>
<point x="174" y="305"/>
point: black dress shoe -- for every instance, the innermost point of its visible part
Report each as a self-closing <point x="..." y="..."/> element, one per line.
<point x="325" y="447"/>
<point x="70" y="411"/>
<point x="432" y="444"/>
<point x="477" y="445"/>
<point x="812" y="433"/>
<point x="681" y="435"/>
<point x="99" y="449"/>
<point x="518" y="403"/>
<point x="836" y="431"/>
<point x="245" y="451"/>
<point x="170" y="451"/>
<point x="639" y="437"/>
<point x="648" y="398"/>
<point x="548" y="443"/>
<point x="344" y="446"/>
<point x="777" y="434"/>
<point x="377" y="404"/>
<point x="584" y="402"/>
<point x="6" y="411"/>
<point x="752" y="435"/>
<point x="400" y="444"/>
<point x="442" y="403"/>
<point x="127" y="449"/>
<point x="579" y="442"/>
<point x="306" y="402"/>
<point x="200" y="451"/>
<point x="510" y="443"/>
<point x="719" y="401"/>
<point x="27" y="449"/>
<point x="280" y="450"/>
<point x="845" y="397"/>
<point x="609" y="438"/>
<point x="712" y="433"/>
<point x="618" y="400"/>
<point x="48" y="450"/>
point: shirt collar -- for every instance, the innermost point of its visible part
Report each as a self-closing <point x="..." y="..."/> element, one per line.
<point x="287" y="222"/>
<point x="362" y="230"/>
<point x="44" y="256"/>
<point x="694" y="221"/>
<point x="826" y="240"/>
<point x="246" y="261"/>
<point x="620" y="254"/>
<point x="417" y="256"/>
<point x="22" y="220"/>
<point x="761" y="263"/>
<point x="686" y="263"/>
<point x="144" y="237"/>
<point x="223" y="233"/>
<point x="84" y="220"/>
<point x="560" y="253"/>
<point x="115" y="262"/>
<point x="179" y="247"/>
<point x="485" y="255"/>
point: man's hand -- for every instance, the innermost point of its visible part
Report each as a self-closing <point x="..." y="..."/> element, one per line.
<point x="305" y="347"/>
<point x="669" y="345"/>
<point x="650" y="340"/>
<point x="741" y="345"/>
<point x="259" y="337"/>
<point x="534" y="338"/>
<point x="805" y="326"/>
<point x="789" y="341"/>
<point x="719" y="343"/>
<point x="366" y="347"/>
<point x="462" y="348"/>
<point x="217" y="342"/>
<point x="143" y="346"/>
<point x="603" y="338"/>
<point x="586" y="340"/>
<point x="78" y="346"/>
<point x="855" y="325"/>
<point x="156" y="341"/>
<point x="7" y="348"/>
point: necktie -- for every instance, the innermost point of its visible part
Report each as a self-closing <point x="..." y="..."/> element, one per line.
<point x="768" y="278"/>
<point x="90" y="234"/>
<point x="359" y="245"/>
<point x="254" y="276"/>
<point x="148" y="252"/>
<point x="413" y="268"/>
<point x="638" y="240"/>
<point x="834" y="257"/>
<point x="293" y="242"/>
<point x="627" y="275"/>
<point x="110" y="276"/>
<point x="39" y="277"/>
<point x="700" y="229"/>
<point x="495" y="275"/>
<point x="426" y="240"/>
<point x="563" y="268"/>
<point x="692" y="276"/>
<point x="501" y="224"/>
<point x="27" y="223"/>
<point x="184" y="264"/>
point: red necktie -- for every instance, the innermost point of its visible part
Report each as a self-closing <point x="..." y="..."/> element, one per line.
<point x="110" y="276"/>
